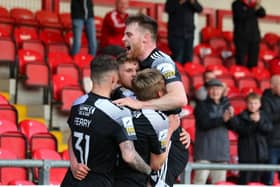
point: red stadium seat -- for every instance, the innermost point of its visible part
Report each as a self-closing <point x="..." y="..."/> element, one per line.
<point x="7" y="126"/>
<point x="3" y="100"/>
<point x="34" y="46"/>
<point x="188" y="123"/>
<point x="44" y="140"/>
<point x="15" y="142"/>
<point x="55" y="58"/>
<point x="203" y="50"/>
<point x="24" y="34"/>
<point x="246" y="82"/>
<point x="210" y="32"/>
<point x="65" y="155"/>
<point x="28" y="55"/>
<point x="211" y="60"/>
<point x="70" y="70"/>
<point x="57" y="47"/>
<point x="271" y="39"/>
<point x="21" y="183"/>
<point x="218" y="43"/>
<point x="218" y="70"/>
<point x="239" y="104"/>
<point x="247" y="90"/>
<point x="56" y="174"/>
<point x="66" y="21"/>
<point x="5" y="16"/>
<point x="233" y="92"/>
<point x="274" y="66"/>
<point x="48" y="36"/>
<point x="8" y="174"/>
<point x="61" y="81"/>
<point x="197" y="80"/>
<point x="186" y="82"/>
<point x="228" y="80"/>
<point x="228" y="36"/>
<point x="260" y="73"/>
<point x="9" y="56"/>
<point x="31" y="127"/>
<point x="4" y="12"/>
<point x="68" y="96"/>
<point x="5" y="31"/>
<point x="267" y="55"/>
<point x="9" y="112"/>
<point x="83" y="60"/>
<point x="239" y="71"/>
<point x="37" y="74"/>
<point x="23" y="16"/>
<point x="264" y="84"/>
<point x="192" y="69"/>
<point x="48" y="19"/>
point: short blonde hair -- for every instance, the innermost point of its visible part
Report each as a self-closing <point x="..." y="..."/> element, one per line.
<point x="253" y="96"/>
<point x="147" y="84"/>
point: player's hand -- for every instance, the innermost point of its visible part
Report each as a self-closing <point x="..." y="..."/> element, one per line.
<point x="79" y="171"/>
<point x="132" y="103"/>
<point x="185" y="138"/>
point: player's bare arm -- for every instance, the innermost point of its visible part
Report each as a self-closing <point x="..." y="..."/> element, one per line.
<point x="175" y="98"/>
<point x="78" y="170"/>
<point x="130" y="156"/>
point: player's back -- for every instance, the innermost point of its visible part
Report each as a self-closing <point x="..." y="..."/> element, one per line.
<point x="151" y="130"/>
<point x="97" y="130"/>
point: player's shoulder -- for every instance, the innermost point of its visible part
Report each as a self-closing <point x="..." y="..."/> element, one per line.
<point x="82" y="99"/>
<point x="160" y="57"/>
<point x="113" y="111"/>
<point x="157" y="119"/>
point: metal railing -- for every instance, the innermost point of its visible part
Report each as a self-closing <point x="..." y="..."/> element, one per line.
<point x="241" y="167"/>
<point x="43" y="165"/>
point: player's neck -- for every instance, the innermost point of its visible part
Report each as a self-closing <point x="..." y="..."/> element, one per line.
<point x="101" y="90"/>
<point x="148" y="50"/>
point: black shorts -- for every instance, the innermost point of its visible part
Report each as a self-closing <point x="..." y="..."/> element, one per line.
<point x="92" y="180"/>
<point x="177" y="160"/>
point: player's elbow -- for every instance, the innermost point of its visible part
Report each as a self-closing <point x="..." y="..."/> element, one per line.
<point x="157" y="161"/>
<point x="181" y="101"/>
<point x="129" y="157"/>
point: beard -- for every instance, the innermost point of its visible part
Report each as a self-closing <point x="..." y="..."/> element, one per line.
<point x="134" y="52"/>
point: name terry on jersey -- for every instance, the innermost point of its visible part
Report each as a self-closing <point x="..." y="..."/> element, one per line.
<point x="82" y="122"/>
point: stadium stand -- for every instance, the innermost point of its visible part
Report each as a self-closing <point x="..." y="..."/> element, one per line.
<point x="23" y="30"/>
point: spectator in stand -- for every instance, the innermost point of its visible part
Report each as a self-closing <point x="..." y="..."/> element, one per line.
<point x="212" y="146"/>
<point x="114" y="25"/>
<point x="82" y="15"/>
<point x="246" y="30"/>
<point x="252" y="126"/>
<point x="181" y="28"/>
<point x="271" y="105"/>
<point x="201" y="92"/>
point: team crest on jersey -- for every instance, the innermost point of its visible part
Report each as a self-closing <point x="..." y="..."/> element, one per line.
<point x="162" y="136"/>
<point x="128" y="125"/>
<point x="167" y="70"/>
<point x="86" y="110"/>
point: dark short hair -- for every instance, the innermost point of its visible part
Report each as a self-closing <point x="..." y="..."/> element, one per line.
<point x="102" y="64"/>
<point x="145" y="22"/>
<point x="113" y="50"/>
<point x="122" y="59"/>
